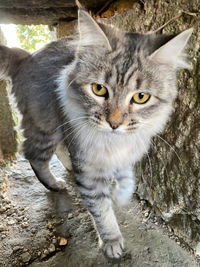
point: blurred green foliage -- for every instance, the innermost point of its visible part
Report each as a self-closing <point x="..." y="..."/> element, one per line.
<point x="33" y="37"/>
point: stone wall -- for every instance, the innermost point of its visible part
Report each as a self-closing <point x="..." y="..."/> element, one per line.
<point x="44" y="12"/>
<point x="8" y="143"/>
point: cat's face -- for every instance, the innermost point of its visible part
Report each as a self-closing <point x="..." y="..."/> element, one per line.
<point x="121" y="93"/>
<point x="123" y="83"/>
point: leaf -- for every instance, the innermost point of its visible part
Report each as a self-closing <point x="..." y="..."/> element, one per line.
<point x="32" y="35"/>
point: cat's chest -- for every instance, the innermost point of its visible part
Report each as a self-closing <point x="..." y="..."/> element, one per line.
<point x="108" y="157"/>
<point x="103" y="155"/>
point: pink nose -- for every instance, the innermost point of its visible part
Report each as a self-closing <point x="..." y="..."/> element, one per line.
<point x="115" y="118"/>
<point x="113" y="125"/>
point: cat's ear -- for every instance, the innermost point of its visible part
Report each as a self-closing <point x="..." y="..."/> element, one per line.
<point x="172" y="52"/>
<point x="90" y="32"/>
<point x="10" y="58"/>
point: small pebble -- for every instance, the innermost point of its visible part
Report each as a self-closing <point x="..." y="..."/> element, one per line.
<point x="54" y="241"/>
<point x="70" y="216"/>
<point x="62" y="241"/>
<point x="9" y="212"/>
<point x="6" y="200"/>
<point x="19" y="219"/>
<point x="25" y="225"/>
<point x="33" y="230"/>
<point x="43" y="256"/>
<point x="52" y="248"/>
<point x="2" y="228"/>
<point x="17" y="248"/>
<point x="11" y="222"/>
<point x="170" y="230"/>
<point x="46" y="252"/>
<point x="25" y="257"/>
<point x="49" y="226"/>
<point x="2" y="209"/>
<point x="39" y="253"/>
<point x="197" y="249"/>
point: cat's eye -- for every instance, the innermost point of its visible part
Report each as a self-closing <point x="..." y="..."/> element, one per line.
<point x="99" y="90"/>
<point x="141" y="98"/>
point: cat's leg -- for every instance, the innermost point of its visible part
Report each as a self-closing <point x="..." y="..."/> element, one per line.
<point x="44" y="175"/>
<point x="125" y="186"/>
<point x="96" y="195"/>
<point x="38" y="148"/>
<point x="63" y="155"/>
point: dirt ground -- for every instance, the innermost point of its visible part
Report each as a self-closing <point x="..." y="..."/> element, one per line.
<point x="39" y="228"/>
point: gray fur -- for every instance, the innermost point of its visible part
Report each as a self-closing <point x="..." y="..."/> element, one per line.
<point x="104" y="136"/>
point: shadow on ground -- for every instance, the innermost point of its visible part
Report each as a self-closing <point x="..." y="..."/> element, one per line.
<point x="39" y="228"/>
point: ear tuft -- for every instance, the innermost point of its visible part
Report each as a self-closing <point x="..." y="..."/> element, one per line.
<point x="172" y="52"/>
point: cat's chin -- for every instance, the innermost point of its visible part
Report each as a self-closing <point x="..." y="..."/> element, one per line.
<point x="109" y="131"/>
<point x="119" y="132"/>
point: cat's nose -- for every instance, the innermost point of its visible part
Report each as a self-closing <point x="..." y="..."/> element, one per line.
<point x="115" y="118"/>
<point x="113" y="125"/>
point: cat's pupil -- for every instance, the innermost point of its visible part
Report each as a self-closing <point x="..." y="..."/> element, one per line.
<point x="141" y="95"/>
<point x="99" y="87"/>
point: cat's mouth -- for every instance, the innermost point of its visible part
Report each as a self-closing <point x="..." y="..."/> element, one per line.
<point x="107" y="128"/>
<point x="111" y="128"/>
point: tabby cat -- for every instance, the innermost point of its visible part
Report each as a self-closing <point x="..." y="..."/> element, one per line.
<point x="95" y="100"/>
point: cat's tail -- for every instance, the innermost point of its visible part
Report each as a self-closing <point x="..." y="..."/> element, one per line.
<point x="10" y="60"/>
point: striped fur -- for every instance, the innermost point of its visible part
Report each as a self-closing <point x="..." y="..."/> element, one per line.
<point x="98" y="137"/>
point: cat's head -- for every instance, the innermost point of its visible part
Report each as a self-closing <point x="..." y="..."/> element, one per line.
<point x="122" y="82"/>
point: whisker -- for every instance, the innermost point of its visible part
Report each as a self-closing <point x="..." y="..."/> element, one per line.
<point x="73" y="131"/>
<point x="73" y="126"/>
<point x="171" y="148"/>
<point x="77" y="133"/>
<point x="155" y="134"/>
<point x="70" y="83"/>
<point x="67" y="122"/>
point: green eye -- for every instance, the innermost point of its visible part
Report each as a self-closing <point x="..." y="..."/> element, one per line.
<point x="141" y="98"/>
<point x="99" y="89"/>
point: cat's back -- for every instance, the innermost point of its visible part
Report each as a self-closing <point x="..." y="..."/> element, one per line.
<point x="45" y="64"/>
<point x="35" y="78"/>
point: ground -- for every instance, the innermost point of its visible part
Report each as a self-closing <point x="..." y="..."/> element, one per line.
<point x="39" y="228"/>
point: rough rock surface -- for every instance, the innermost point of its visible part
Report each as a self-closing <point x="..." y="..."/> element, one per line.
<point x="42" y="11"/>
<point x="8" y="143"/>
<point x="39" y="228"/>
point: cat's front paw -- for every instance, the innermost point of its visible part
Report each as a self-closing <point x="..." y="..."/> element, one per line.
<point x="58" y="185"/>
<point x="113" y="249"/>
